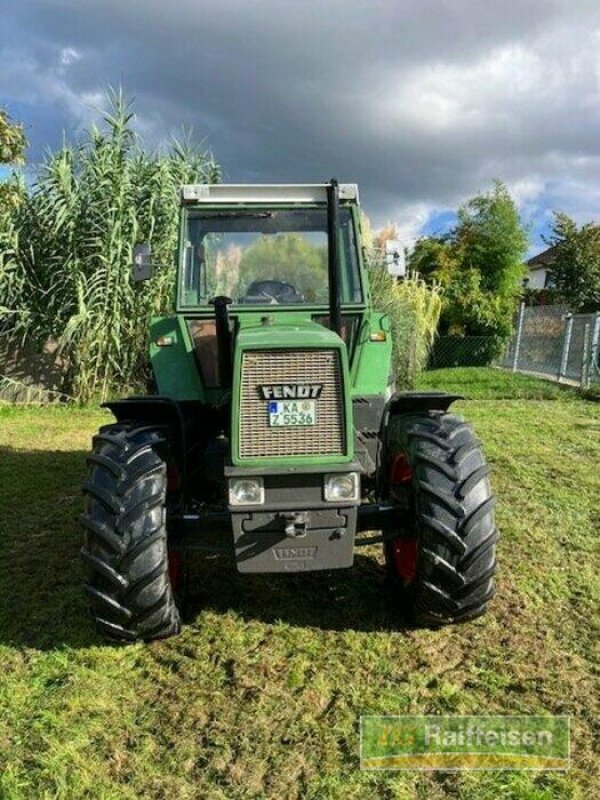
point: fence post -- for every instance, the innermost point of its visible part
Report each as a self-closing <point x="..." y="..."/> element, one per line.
<point x="519" y="333"/>
<point x="594" y="362"/>
<point x="585" y="361"/>
<point x="566" y="346"/>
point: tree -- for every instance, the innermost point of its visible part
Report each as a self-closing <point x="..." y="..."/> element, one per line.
<point x="576" y="262"/>
<point x="12" y="152"/>
<point x="491" y="239"/>
<point x="480" y="266"/>
<point x="12" y="140"/>
<point x="435" y="259"/>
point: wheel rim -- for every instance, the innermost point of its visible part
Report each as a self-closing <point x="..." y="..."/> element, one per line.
<point x="404" y="558"/>
<point x="403" y="550"/>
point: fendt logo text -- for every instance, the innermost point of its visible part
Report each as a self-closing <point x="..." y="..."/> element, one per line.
<point x="291" y="391"/>
<point x="294" y="553"/>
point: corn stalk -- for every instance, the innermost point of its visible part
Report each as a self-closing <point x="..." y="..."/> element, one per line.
<point x="414" y="309"/>
<point x="71" y="280"/>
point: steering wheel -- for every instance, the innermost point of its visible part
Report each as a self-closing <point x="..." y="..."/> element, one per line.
<point x="276" y="291"/>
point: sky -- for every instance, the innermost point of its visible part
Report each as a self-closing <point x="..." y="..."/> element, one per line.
<point x="421" y="102"/>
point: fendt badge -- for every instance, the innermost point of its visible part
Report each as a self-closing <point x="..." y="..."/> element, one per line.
<point x="292" y="391"/>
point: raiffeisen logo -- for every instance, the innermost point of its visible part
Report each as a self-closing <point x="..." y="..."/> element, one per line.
<point x="455" y="743"/>
<point x="291" y="391"/>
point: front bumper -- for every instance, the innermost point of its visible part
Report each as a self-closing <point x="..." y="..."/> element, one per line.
<point x="322" y="539"/>
<point x="294" y="530"/>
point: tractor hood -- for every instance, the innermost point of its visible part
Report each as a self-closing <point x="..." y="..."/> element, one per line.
<point x="276" y="364"/>
<point x="272" y="335"/>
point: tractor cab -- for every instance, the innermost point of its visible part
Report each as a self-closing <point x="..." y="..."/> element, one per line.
<point x="271" y="256"/>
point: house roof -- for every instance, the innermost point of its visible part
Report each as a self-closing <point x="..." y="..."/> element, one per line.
<point x="543" y="259"/>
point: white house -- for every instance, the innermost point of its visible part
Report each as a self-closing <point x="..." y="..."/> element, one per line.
<point x="539" y="270"/>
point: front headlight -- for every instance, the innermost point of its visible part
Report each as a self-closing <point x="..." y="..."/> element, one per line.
<point x="246" y="492"/>
<point x="342" y="487"/>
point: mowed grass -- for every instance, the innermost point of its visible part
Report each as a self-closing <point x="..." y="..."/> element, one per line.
<point x="261" y="694"/>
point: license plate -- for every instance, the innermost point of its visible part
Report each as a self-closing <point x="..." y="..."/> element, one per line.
<point x="292" y="413"/>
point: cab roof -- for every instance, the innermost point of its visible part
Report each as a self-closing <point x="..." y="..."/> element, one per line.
<point x="228" y="193"/>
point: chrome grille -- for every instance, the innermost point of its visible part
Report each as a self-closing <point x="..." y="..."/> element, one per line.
<point x="268" y="367"/>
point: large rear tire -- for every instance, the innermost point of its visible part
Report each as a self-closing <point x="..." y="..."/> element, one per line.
<point x="125" y="549"/>
<point x="443" y="558"/>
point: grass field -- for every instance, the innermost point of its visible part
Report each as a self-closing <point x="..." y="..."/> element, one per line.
<point x="261" y="694"/>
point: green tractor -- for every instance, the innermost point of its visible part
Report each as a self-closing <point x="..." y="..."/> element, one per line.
<point x="273" y="429"/>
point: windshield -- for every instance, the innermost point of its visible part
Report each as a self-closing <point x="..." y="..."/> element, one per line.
<point x="265" y="257"/>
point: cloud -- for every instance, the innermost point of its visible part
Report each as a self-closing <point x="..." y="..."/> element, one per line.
<point x="423" y="102"/>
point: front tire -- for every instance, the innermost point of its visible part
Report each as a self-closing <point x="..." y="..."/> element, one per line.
<point x="125" y="550"/>
<point x="443" y="559"/>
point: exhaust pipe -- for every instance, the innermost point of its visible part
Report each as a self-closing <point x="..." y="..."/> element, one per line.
<point x="333" y="226"/>
<point x="223" y="332"/>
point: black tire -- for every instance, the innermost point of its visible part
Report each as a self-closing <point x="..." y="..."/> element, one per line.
<point x="451" y="517"/>
<point x="125" y="549"/>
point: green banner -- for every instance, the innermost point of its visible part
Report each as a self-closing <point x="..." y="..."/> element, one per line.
<point x="471" y="742"/>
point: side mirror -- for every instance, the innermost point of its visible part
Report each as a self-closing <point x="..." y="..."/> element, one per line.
<point x="142" y="263"/>
<point x="394" y="258"/>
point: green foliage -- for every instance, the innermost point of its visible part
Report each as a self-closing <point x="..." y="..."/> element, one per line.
<point x="470" y="310"/>
<point x="12" y="193"/>
<point x="414" y="309"/>
<point x="89" y="206"/>
<point x="490" y="239"/>
<point x="480" y="266"/>
<point x="435" y="259"/>
<point x="287" y="257"/>
<point x="576" y="263"/>
<point x="12" y="140"/>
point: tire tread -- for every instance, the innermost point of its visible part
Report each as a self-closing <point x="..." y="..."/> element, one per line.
<point x="125" y="548"/>
<point x="454" y="517"/>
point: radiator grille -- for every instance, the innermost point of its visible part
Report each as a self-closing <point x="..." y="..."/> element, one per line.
<point x="272" y="367"/>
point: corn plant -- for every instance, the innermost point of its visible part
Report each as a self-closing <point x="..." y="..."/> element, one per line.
<point x="12" y="194"/>
<point x="90" y="204"/>
<point x="414" y="309"/>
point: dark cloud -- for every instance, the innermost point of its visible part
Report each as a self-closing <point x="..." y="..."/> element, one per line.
<point x="422" y="102"/>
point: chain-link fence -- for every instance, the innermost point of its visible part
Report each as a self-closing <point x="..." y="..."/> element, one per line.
<point x="548" y="341"/>
<point x="551" y="341"/>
